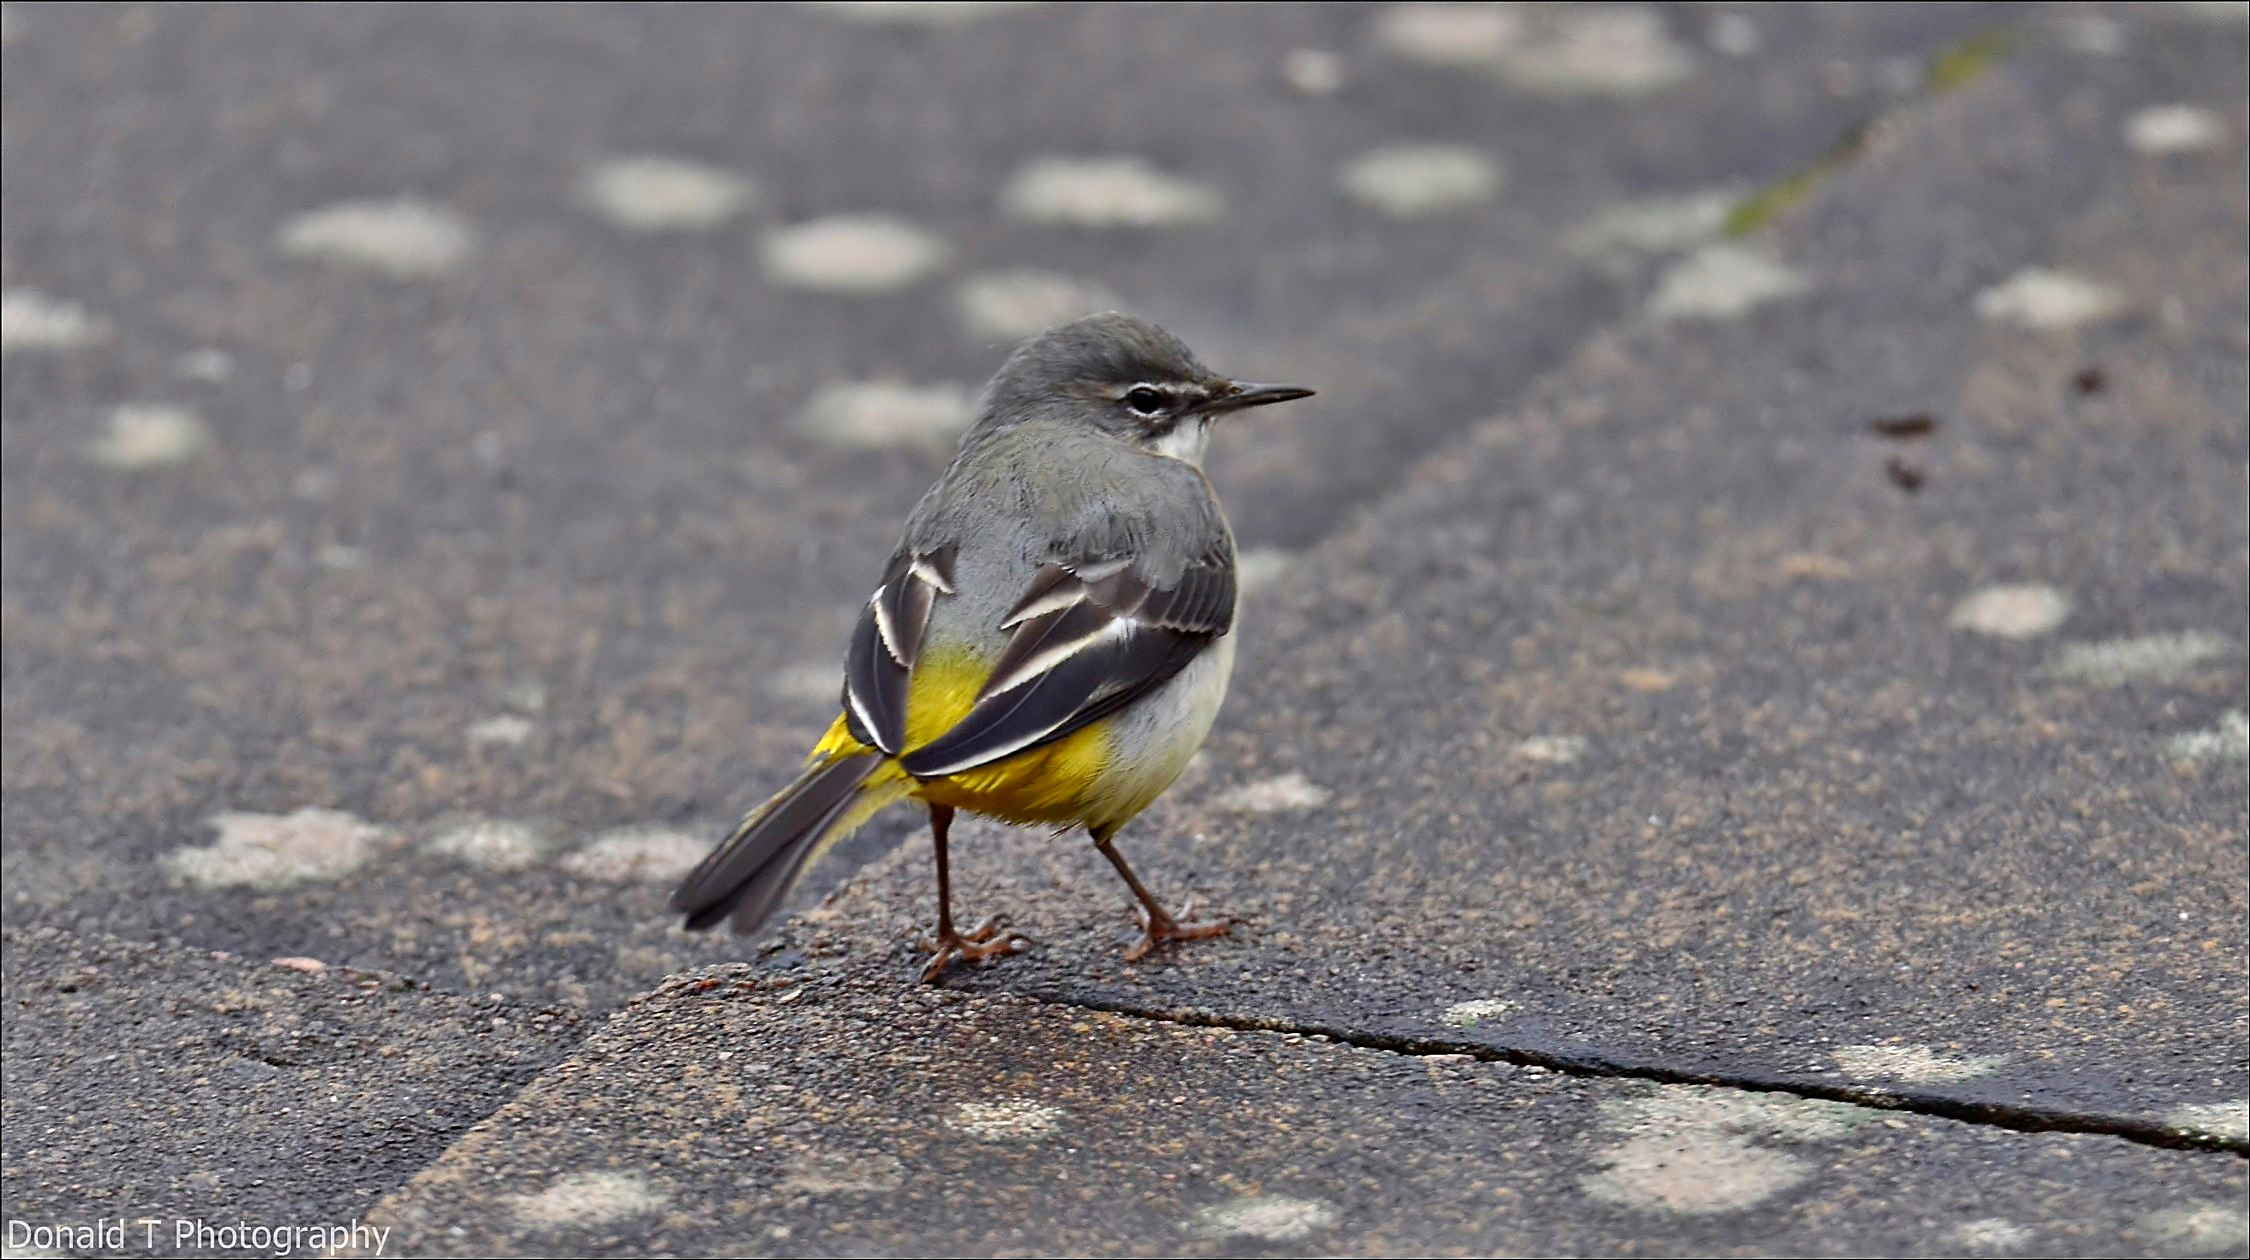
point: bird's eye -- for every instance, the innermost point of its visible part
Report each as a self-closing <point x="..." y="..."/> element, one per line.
<point x="1145" y="400"/>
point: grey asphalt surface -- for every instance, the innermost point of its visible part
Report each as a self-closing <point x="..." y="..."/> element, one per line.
<point x="181" y="1077"/>
<point x="566" y="479"/>
<point x="1605" y="703"/>
<point x="850" y="1115"/>
<point x="1808" y="813"/>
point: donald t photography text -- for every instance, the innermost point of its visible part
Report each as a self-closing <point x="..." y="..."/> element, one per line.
<point x="172" y="1235"/>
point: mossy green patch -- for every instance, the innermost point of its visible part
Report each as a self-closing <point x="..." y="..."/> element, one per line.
<point x="1954" y="66"/>
<point x="1964" y="62"/>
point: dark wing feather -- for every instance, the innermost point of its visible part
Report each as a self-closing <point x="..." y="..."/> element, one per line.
<point x="748" y="875"/>
<point x="886" y="643"/>
<point x="1089" y="647"/>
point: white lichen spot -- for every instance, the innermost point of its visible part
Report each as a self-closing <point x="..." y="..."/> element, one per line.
<point x="1693" y="1173"/>
<point x="31" y="320"/>
<point x="1733" y="34"/>
<point x="1776" y="1117"/>
<point x="492" y="844"/>
<point x="1475" y="1011"/>
<point x="2175" y="129"/>
<point x="276" y="850"/>
<point x="2229" y="739"/>
<point x="1420" y="180"/>
<point x="1281" y="792"/>
<point x="149" y="435"/>
<point x="1022" y="302"/>
<point x="1313" y="71"/>
<point x="1258" y="566"/>
<point x="2045" y="298"/>
<point x="1474" y="35"/>
<point x="2226" y="1120"/>
<point x="1992" y="1233"/>
<point x="879" y="413"/>
<point x="1622" y="51"/>
<point x="1723" y="281"/>
<point x="1274" y="1217"/>
<point x="2155" y="657"/>
<point x="844" y="1172"/>
<point x="652" y="855"/>
<point x="2018" y="611"/>
<point x="1658" y="225"/>
<point x="507" y="728"/>
<point x="589" y="1198"/>
<point x="918" y="12"/>
<point x="1117" y="191"/>
<point x="1618" y="52"/>
<point x="1914" y="1065"/>
<point x="1006" y="1120"/>
<point x="2216" y="1228"/>
<point x="2092" y="34"/>
<point x="1553" y="750"/>
<point x="656" y="193"/>
<point x="206" y="364"/>
<point x="852" y="254"/>
<point x="403" y="237"/>
<point x="1698" y="1149"/>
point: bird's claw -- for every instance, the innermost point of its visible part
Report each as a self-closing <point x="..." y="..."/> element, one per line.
<point x="983" y="941"/>
<point x="1159" y="929"/>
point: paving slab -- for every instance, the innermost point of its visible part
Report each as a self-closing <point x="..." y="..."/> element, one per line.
<point x="836" y="1112"/>
<point x="475" y="425"/>
<point x="171" y="1083"/>
<point x="398" y="515"/>
<point x="1681" y="722"/>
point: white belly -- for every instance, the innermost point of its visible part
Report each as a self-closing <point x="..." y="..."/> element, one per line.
<point x="1153" y="740"/>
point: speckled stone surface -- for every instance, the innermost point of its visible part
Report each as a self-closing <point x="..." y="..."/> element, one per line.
<point x="834" y="1111"/>
<point x="1807" y="823"/>
<point x="463" y="456"/>
<point x="167" y="1081"/>
<point x="444" y="446"/>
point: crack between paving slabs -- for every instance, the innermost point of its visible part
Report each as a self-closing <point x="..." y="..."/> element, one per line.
<point x="1598" y="1067"/>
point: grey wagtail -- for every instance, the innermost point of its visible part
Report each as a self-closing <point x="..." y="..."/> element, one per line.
<point x="1048" y="645"/>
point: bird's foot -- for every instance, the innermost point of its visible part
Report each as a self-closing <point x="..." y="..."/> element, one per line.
<point x="983" y="941"/>
<point x="1159" y="928"/>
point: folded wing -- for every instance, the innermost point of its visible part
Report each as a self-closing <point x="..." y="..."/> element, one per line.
<point x="1089" y="636"/>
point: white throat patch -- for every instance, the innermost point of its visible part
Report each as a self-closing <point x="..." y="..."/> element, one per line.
<point x="1186" y="440"/>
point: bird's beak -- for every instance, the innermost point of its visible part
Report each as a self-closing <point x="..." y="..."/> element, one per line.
<point x="1241" y="394"/>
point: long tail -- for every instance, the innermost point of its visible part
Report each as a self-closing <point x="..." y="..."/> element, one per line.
<point x="748" y="875"/>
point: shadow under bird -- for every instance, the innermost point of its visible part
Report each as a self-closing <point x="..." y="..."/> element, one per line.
<point x="1048" y="645"/>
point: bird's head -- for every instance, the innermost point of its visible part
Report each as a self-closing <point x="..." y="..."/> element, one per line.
<point x="1126" y="377"/>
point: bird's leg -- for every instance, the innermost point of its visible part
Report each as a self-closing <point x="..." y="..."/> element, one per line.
<point x="985" y="940"/>
<point x="1159" y="925"/>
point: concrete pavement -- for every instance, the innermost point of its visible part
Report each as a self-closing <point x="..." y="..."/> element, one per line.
<point x="1665" y="813"/>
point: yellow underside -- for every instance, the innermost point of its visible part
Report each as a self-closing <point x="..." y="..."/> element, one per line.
<point x="1064" y="782"/>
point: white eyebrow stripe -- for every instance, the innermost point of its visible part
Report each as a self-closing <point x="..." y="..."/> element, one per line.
<point x="1049" y="659"/>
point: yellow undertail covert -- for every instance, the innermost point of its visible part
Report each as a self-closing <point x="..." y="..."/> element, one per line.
<point x="1057" y="783"/>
